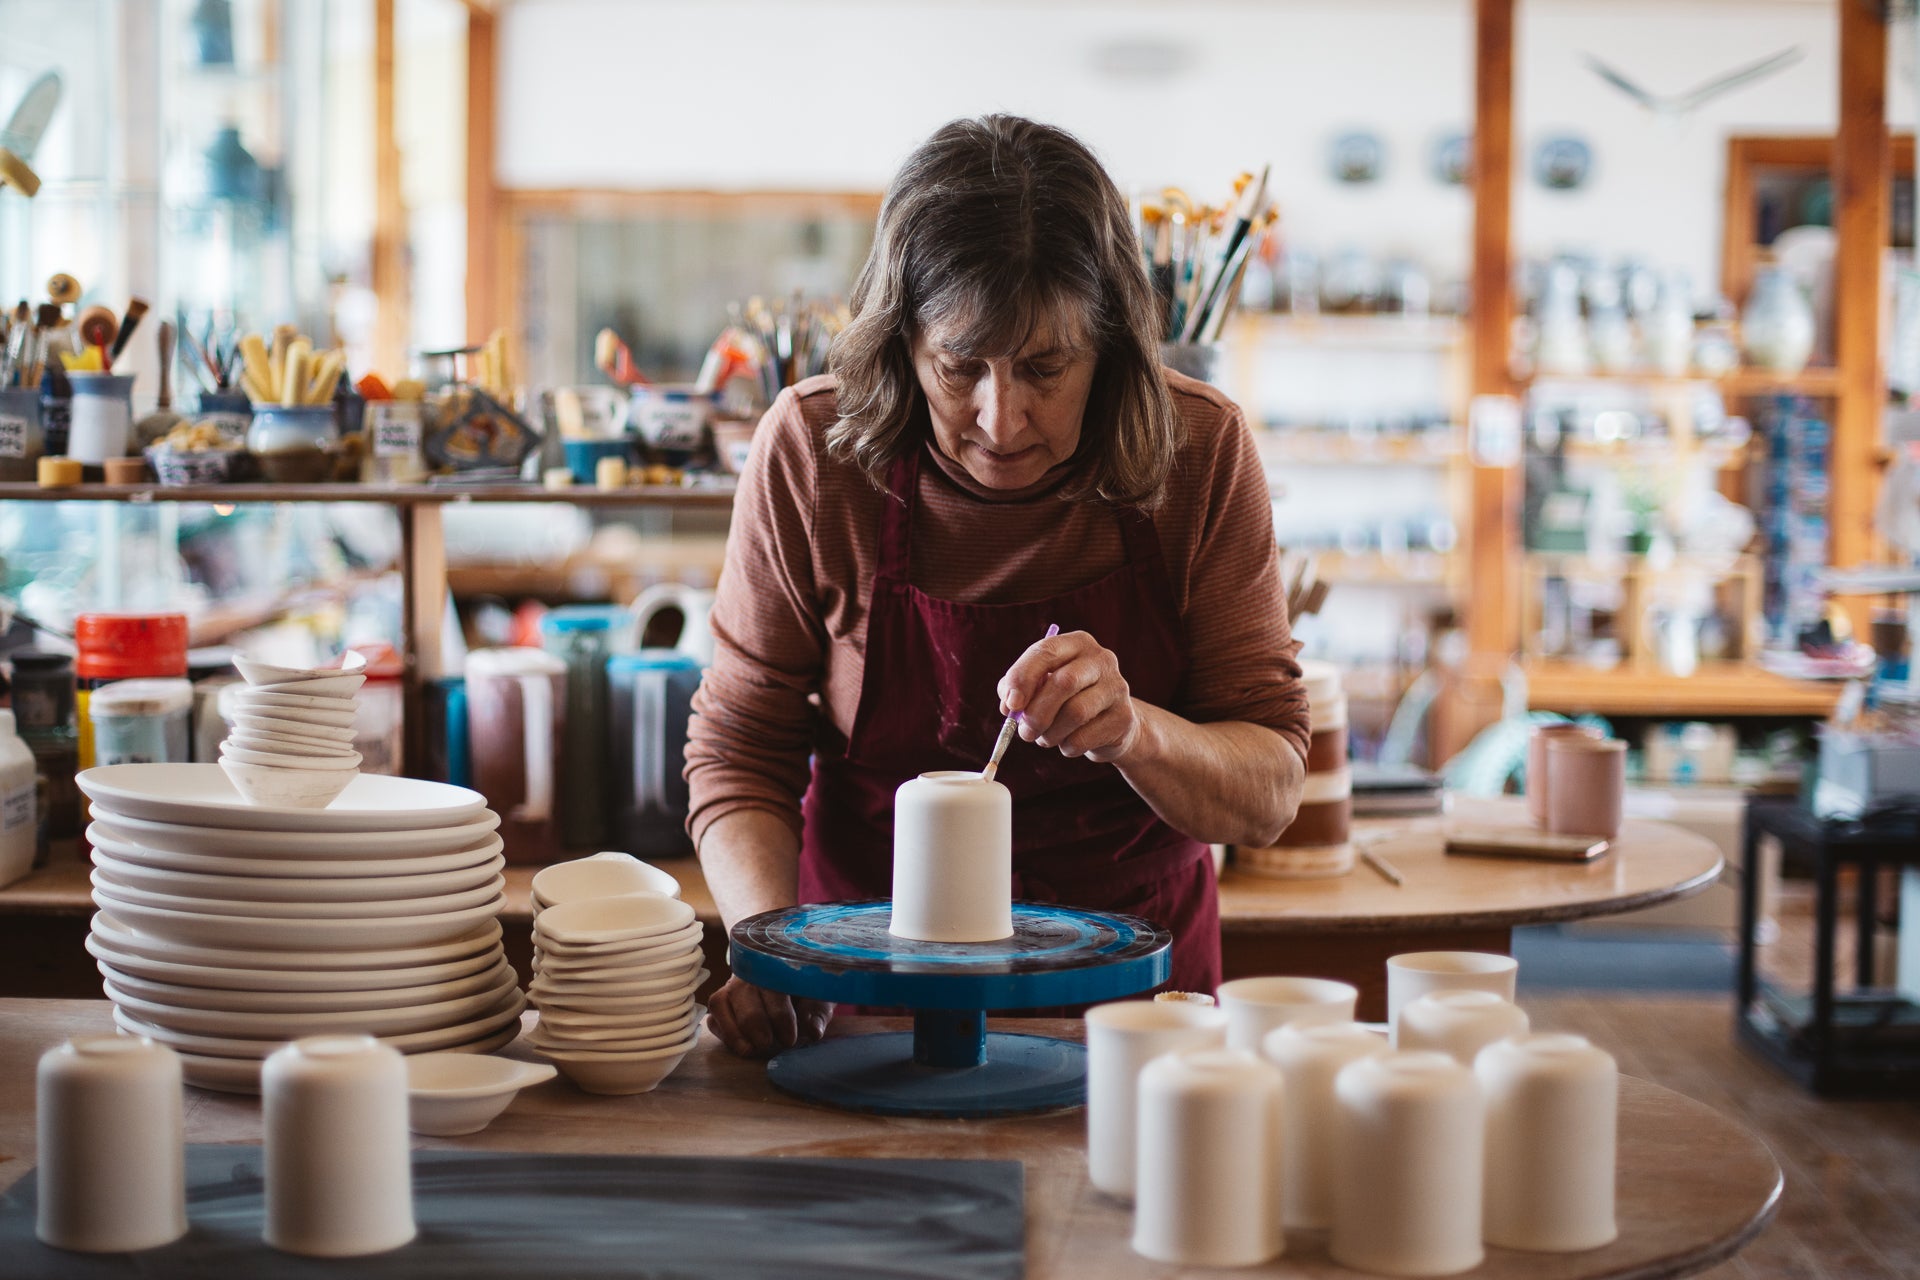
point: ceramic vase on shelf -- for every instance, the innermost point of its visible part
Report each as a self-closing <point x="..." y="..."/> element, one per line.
<point x="1667" y="331"/>
<point x="1776" y="327"/>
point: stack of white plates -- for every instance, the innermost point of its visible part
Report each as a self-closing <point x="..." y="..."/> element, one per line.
<point x="226" y="928"/>
<point x="614" y="979"/>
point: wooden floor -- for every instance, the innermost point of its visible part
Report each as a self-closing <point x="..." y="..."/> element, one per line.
<point x="1852" y="1205"/>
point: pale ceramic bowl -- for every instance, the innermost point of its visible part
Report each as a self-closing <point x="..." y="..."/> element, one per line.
<point x="639" y="1040"/>
<point x="290" y="701"/>
<point x="680" y="964"/>
<point x="612" y="1024"/>
<point x="285" y="745"/>
<point x="333" y="686"/>
<point x="281" y="760"/>
<point x="651" y="991"/>
<point x="629" y="918"/>
<point x="449" y="1094"/>
<point x="287" y="788"/>
<point x="339" y="716"/>
<point x="599" y="877"/>
<point x="248" y="721"/>
<point x="257" y="672"/>
<point x="622" y="1073"/>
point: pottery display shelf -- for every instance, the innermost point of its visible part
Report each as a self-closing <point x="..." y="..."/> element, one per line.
<point x="1694" y="1185"/>
<point x="949" y="1064"/>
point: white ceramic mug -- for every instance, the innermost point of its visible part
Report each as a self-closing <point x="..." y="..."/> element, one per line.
<point x="113" y="1174"/>
<point x="1459" y="1023"/>
<point x="952" y="858"/>
<point x="1415" y="973"/>
<point x="339" y="1177"/>
<point x="1121" y="1039"/>
<point x="1552" y="1134"/>
<point x="1256" y="1006"/>
<point x="1206" y="1182"/>
<point x="1310" y="1056"/>
<point x="1408" y="1159"/>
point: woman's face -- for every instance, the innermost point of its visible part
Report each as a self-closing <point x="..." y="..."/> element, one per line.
<point x="1007" y="420"/>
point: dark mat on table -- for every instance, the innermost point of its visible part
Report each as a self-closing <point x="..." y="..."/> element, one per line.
<point x="557" y="1217"/>
<point x="1554" y="958"/>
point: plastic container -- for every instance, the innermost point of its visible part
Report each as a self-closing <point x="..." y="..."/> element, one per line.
<point x="142" y="722"/>
<point x="516" y="712"/>
<point x="42" y="691"/>
<point x="649" y="700"/>
<point x="101" y="421"/>
<point x="584" y="637"/>
<point x="19" y="788"/>
<point x="21" y="442"/>
<point x="122" y="646"/>
<point x="449" y="751"/>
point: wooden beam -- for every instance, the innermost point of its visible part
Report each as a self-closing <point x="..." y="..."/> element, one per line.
<point x="1862" y="198"/>
<point x="1492" y="599"/>
<point x="485" y="311"/>
<point x="391" y="287"/>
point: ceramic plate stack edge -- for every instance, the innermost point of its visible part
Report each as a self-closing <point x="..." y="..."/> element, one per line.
<point x="227" y="928"/>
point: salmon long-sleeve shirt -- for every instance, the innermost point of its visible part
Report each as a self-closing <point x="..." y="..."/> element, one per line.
<point x="790" y="620"/>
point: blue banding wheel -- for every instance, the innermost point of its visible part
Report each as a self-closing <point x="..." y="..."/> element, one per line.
<point x="877" y="1074"/>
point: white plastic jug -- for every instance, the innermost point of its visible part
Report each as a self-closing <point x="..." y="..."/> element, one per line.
<point x="694" y="604"/>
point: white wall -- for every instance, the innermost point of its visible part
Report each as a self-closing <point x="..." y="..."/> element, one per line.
<point x="830" y="94"/>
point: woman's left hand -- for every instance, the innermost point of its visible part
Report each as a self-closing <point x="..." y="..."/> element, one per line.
<point x="1072" y="697"/>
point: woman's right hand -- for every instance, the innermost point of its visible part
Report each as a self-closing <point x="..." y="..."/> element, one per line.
<point x="756" y="1023"/>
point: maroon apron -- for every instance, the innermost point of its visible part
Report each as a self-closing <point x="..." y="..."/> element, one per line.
<point x="930" y="700"/>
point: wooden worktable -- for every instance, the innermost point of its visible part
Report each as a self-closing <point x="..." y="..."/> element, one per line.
<point x="1342" y="928"/>
<point x="1694" y="1187"/>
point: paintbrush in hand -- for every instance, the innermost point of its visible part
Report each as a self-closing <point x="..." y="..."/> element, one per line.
<point x="1001" y="743"/>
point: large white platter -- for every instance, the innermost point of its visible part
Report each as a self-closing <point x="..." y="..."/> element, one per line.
<point x="292" y="1024"/>
<point x="508" y="1010"/>
<point x="242" y="1075"/>
<point x="264" y="934"/>
<point x="101" y="836"/>
<point x="178" y="996"/>
<point x="304" y="911"/>
<point x="201" y="794"/>
<point x="276" y="846"/>
<point x="238" y="888"/>
<point x="157" y="960"/>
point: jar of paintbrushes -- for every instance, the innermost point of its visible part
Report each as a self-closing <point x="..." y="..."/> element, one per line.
<point x="1196" y="259"/>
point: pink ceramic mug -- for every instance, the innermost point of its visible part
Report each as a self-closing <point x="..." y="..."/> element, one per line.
<point x="1537" y="784"/>
<point x="1586" y="785"/>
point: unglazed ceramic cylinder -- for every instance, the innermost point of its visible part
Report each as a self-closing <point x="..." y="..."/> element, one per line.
<point x="1121" y="1039"/>
<point x="952" y="859"/>
<point x="1415" y="973"/>
<point x="339" y="1180"/>
<point x="1460" y="1023"/>
<point x="1586" y="785"/>
<point x="1309" y="1056"/>
<point x="1407" y="1165"/>
<point x="1552" y="1131"/>
<point x="113" y="1171"/>
<point x="1256" y="1006"/>
<point x="1316" y="845"/>
<point x="1207" y="1185"/>
<point x="1537" y="785"/>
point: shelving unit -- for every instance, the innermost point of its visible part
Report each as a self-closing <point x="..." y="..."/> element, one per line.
<point x="1714" y="691"/>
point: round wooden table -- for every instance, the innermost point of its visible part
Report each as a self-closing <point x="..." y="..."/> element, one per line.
<point x="1346" y="927"/>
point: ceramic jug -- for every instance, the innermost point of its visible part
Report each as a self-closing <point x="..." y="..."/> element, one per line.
<point x="516" y="717"/>
<point x="1776" y="327"/>
<point x="694" y="604"/>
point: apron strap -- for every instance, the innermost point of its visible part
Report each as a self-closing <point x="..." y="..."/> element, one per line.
<point x="896" y="517"/>
<point x="1138" y="535"/>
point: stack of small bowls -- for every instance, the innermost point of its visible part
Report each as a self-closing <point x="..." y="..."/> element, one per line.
<point x="604" y="875"/>
<point x="614" y="980"/>
<point x="292" y="739"/>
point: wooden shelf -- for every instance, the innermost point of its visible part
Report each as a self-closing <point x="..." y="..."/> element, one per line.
<point x="1811" y="381"/>
<point x="1387" y="331"/>
<point x="719" y="496"/>
<point x="1313" y="447"/>
<point x="1715" y="690"/>
<point x="1371" y="568"/>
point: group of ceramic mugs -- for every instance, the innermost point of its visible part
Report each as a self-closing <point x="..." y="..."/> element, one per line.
<point x="1576" y="779"/>
<point x="292" y="739"/>
<point x="1228" y="1125"/>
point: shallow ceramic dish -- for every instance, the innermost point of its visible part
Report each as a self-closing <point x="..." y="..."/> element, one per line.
<point x="294" y="701"/>
<point x="599" y="877"/>
<point x="449" y="1094"/>
<point x="295" y="888"/>
<point x="294" y="1023"/>
<point x="341" y="715"/>
<point x="289" y="763"/>
<point x="640" y="991"/>
<point x="252" y="722"/>
<point x="242" y="1075"/>
<point x="274" y="845"/>
<point x="202" y="795"/>
<point x="561" y="1020"/>
<point x="621" y="1073"/>
<point x="301" y="910"/>
<point x="409" y="1042"/>
<point x="101" y="836"/>
<point x="678" y="1033"/>
<point x="265" y="933"/>
<point x="335" y="686"/>
<point x="479" y="939"/>
<point x="254" y="672"/>
<point x="282" y="745"/>
<point x="602" y="954"/>
<point x="268" y="787"/>
<point x="177" y="996"/>
<point x="635" y="919"/>
<point x="248" y="975"/>
<point x="680" y="966"/>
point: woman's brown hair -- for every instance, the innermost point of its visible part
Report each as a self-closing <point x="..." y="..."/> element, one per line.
<point x="997" y="226"/>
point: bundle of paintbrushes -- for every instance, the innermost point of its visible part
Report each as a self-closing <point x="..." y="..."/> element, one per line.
<point x="1306" y="589"/>
<point x="44" y="341"/>
<point x="776" y="345"/>
<point x="213" y="355"/>
<point x="289" y="372"/>
<point x="1196" y="255"/>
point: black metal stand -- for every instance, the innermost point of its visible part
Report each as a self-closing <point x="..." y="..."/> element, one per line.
<point x="1865" y="1040"/>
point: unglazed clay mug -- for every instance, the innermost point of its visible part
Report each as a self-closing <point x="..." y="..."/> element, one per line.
<point x="1552" y="1133"/>
<point x="1206" y="1190"/>
<point x="339" y="1177"/>
<point x="1537" y="784"/>
<point x="1256" y="1006"/>
<point x="1415" y="973"/>
<point x="1408" y="1158"/>
<point x="113" y="1174"/>
<point x="1586" y="785"/>
<point x="1121" y="1039"/>
<point x="952" y="858"/>
<point x="1459" y="1023"/>
<point x="1310" y="1055"/>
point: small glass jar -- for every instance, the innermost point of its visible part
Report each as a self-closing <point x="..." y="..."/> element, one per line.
<point x="142" y="722"/>
<point x="294" y="444"/>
